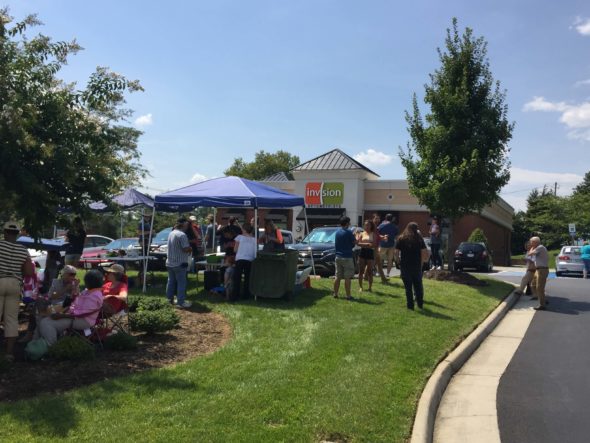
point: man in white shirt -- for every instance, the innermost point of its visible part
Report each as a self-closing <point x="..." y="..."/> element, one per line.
<point x="179" y="251"/>
<point x="540" y="256"/>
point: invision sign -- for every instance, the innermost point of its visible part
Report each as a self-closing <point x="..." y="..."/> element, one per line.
<point x="324" y="193"/>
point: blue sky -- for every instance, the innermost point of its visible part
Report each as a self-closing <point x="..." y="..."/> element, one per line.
<point x="225" y="79"/>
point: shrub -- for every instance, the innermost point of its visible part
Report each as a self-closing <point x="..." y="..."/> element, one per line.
<point x="121" y="342"/>
<point x="72" y="348"/>
<point x="161" y="320"/>
<point x="477" y="236"/>
<point x="143" y="303"/>
<point x="153" y="304"/>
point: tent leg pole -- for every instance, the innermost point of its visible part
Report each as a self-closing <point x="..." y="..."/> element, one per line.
<point x="145" y="260"/>
<point x="307" y="229"/>
<point x="214" y="229"/>
<point x="256" y="231"/>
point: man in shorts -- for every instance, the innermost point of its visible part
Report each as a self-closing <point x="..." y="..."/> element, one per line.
<point x="345" y="242"/>
<point x="388" y="231"/>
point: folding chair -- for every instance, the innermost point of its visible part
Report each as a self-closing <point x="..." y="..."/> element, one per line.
<point x="96" y="333"/>
<point x="112" y="319"/>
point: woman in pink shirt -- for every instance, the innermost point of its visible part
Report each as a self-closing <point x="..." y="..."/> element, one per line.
<point x="82" y="313"/>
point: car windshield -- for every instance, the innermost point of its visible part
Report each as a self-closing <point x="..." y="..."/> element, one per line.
<point x="321" y="236"/>
<point x="122" y="243"/>
<point x="576" y="251"/>
<point x="162" y="236"/>
<point x="470" y="247"/>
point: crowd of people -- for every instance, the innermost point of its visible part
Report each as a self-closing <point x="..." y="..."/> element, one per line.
<point x="53" y="300"/>
<point x="379" y="241"/>
<point x="236" y="241"/>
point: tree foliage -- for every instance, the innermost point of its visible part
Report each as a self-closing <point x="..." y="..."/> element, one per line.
<point x="478" y="236"/>
<point x="59" y="146"/>
<point x="457" y="161"/>
<point x="264" y="165"/>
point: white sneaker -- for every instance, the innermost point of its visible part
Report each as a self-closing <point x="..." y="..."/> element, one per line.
<point x="439" y="268"/>
<point x="184" y="305"/>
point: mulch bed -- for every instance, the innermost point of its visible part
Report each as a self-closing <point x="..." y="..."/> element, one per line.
<point x="199" y="333"/>
<point x="462" y="278"/>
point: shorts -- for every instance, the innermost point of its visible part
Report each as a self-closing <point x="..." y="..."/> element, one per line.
<point x="10" y="290"/>
<point x="386" y="253"/>
<point x="367" y="254"/>
<point x="344" y="267"/>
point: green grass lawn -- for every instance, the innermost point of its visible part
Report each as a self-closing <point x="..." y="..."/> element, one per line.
<point x="302" y="371"/>
<point x="553" y="253"/>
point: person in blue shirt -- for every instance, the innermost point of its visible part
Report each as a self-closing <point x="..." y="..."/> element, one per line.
<point x="388" y="231"/>
<point x="344" y="243"/>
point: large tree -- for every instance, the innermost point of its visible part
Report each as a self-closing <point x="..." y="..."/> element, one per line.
<point x="456" y="161"/>
<point x="264" y="165"/>
<point x="60" y="146"/>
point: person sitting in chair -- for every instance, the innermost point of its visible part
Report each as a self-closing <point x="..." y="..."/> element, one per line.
<point x="115" y="288"/>
<point x="82" y="313"/>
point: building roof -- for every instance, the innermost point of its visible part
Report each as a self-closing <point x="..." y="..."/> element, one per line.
<point x="335" y="160"/>
<point x="278" y="177"/>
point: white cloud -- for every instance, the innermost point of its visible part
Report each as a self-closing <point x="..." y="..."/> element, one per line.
<point x="582" y="25"/>
<point x="540" y="104"/>
<point x="373" y="158"/>
<point x="582" y="83"/>
<point x="144" y="120"/>
<point x="575" y="117"/>
<point x="196" y="178"/>
<point x="523" y="181"/>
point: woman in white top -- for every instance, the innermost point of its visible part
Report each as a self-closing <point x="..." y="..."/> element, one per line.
<point x="245" y="247"/>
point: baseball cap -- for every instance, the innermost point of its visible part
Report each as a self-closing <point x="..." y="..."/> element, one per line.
<point x="69" y="269"/>
<point x="116" y="268"/>
<point x="192" y="218"/>
<point x="11" y="226"/>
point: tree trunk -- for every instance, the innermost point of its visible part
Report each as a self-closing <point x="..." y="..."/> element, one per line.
<point x="450" y="247"/>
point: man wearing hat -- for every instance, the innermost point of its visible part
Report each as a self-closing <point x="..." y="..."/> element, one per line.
<point x="15" y="262"/>
<point x="179" y="251"/>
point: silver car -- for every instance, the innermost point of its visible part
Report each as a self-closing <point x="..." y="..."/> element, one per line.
<point x="569" y="261"/>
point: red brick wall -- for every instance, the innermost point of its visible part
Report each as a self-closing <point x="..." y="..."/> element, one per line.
<point x="498" y="236"/>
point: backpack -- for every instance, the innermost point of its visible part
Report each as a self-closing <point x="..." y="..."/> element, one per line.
<point x="36" y="349"/>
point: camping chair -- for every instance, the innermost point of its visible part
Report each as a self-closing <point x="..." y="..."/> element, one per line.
<point x="113" y="319"/>
<point x="95" y="334"/>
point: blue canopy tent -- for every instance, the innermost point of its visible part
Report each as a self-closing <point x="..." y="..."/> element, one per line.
<point x="42" y="244"/>
<point x="228" y="192"/>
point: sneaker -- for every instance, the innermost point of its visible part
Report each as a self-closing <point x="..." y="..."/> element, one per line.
<point x="438" y="268"/>
<point x="184" y="305"/>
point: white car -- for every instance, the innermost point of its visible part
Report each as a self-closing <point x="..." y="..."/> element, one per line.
<point x="569" y="261"/>
<point x="38" y="257"/>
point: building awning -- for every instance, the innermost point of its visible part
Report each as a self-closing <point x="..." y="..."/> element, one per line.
<point x="321" y="213"/>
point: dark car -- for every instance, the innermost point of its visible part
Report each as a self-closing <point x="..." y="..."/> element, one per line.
<point x="473" y="255"/>
<point x="320" y="243"/>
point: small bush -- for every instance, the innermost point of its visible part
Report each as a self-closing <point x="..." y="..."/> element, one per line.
<point x="121" y="342"/>
<point x="143" y="303"/>
<point x="72" y="348"/>
<point x="153" y="304"/>
<point x="478" y="236"/>
<point x="151" y="322"/>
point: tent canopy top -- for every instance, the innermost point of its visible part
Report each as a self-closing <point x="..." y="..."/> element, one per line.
<point x="226" y="192"/>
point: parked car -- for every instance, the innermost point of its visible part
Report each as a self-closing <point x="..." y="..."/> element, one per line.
<point x="91" y="259"/>
<point x="320" y="243"/>
<point x="569" y="261"/>
<point x="473" y="255"/>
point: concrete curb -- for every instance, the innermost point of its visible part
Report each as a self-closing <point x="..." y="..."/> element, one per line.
<point x="423" y="429"/>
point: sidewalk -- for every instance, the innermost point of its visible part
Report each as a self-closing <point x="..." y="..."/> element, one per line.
<point x="467" y="412"/>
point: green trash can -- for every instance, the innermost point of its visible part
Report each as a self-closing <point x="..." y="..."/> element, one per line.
<point x="273" y="274"/>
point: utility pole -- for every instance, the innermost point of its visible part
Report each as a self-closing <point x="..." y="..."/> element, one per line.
<point x="555" y="189"/>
